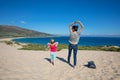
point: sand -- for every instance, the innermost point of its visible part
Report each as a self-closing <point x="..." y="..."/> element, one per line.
<point x="34" y="65"/>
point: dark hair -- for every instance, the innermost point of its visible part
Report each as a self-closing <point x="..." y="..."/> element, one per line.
<point x="75" y="27"/>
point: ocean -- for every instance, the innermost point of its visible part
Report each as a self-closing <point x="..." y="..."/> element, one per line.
<point x="84" y="41"/>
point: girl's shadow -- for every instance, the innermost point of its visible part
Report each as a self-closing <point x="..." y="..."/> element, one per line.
<point x="48" y="59"/>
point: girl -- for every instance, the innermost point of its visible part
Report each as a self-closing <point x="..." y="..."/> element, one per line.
<point x="53" y="49"/>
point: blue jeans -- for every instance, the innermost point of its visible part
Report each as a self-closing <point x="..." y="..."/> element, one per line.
<point x="74" y="48"/>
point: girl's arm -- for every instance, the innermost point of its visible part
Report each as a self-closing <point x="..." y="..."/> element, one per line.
<point x="48" y="45"/>
<point x="56" y="43"/>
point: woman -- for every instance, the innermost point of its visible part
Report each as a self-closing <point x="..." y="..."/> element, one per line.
<point x="74" y="39"/>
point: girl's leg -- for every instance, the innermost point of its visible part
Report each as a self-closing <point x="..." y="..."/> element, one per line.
<point x="53" y="57"/>
<point x="53" y="62"/>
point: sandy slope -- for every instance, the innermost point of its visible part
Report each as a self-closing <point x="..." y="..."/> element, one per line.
<point x="34" y="65"/>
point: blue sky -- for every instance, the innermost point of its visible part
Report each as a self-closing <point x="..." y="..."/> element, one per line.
<point x="100" y="17"/>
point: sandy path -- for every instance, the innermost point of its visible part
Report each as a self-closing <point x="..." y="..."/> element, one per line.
<point x="34" y="65"/>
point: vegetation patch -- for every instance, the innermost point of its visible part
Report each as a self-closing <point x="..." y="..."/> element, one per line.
<point x="63" y="46"/>
<point x="33" y="47"/>
<point x="9" y="42"/>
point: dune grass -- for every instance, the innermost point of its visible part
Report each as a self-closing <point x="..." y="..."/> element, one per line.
<point x="41" y="47"/>
<point x="63" y="46"/>
<point x="33" y="47"/>
<point x="9" y="42"/>
<point x="12" y="43"/>
<point x="99" y="48"/>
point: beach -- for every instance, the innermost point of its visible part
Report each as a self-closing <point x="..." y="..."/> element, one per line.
<point x="35" y="65"/>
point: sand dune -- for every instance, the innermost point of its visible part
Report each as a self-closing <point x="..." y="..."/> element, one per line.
<point x="34" y="65"/>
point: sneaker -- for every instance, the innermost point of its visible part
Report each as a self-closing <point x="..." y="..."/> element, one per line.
<point x="74" y="67"/>
<point x="53" y="63"/>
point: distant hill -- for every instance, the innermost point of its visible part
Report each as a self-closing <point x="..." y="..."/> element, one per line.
<point x="15" y="31"/>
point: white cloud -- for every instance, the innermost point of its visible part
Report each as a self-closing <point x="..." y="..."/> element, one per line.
<point x="22" y="22"/>
<point x="13" y="22"/>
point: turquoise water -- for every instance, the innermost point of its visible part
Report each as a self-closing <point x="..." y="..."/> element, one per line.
<point x="84" y="41"/>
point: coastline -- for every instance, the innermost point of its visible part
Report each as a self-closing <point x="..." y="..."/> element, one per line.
<point x="10" y="39"/>
<point x="6" y="39"/>
<point x="33" y="46"/>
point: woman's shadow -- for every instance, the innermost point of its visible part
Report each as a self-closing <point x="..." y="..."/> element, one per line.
<point x="63" y="60"/>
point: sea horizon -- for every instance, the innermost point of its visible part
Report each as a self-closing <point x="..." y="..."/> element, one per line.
<point x="84" y="40"/>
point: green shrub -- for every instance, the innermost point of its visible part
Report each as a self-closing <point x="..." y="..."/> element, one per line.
<point x="62" y="46"/>
<point x="42" y="47"/>
<point x="17" y="43"/>
<point x="65" y="46"/>
<point x="9" y="42"/>
<point x="110" y="48"/>
<point x="33" y="47"/>
<point x="88" y="48"/>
